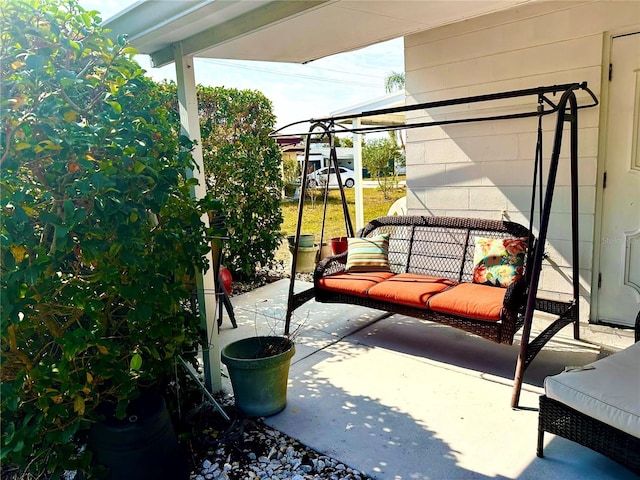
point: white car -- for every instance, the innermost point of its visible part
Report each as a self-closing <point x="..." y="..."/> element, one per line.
<point x="319" y="177"/>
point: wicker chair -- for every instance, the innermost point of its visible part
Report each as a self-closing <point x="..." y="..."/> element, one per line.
<point x="559" y="419"/>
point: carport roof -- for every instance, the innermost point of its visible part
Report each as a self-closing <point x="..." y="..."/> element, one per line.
<point x="388" y="101"/>
<point x="283" y="30"/>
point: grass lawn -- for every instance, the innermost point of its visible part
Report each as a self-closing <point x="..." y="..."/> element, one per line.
<point x="374" y="206"/>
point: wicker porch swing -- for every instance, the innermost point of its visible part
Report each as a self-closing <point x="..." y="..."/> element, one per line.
<point x="430" y="271"/>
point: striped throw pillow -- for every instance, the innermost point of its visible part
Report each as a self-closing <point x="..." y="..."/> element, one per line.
<point x="368" y="254"/>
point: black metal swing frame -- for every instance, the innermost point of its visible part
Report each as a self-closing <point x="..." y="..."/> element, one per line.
<point x="566" y="110"/>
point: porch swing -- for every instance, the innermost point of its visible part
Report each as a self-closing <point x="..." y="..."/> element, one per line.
<point x="432" y="267"/>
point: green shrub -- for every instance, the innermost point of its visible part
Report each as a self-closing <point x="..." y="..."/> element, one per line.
<point x="98" y="233"/>
<point x="242" y="164"/>
<point x="243" y="172"/>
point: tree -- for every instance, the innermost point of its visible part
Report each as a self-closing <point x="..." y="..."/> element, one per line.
<point x="395" y="81"/>
<point x="379" y="156"/>
<point x="243" y="169"/>
<point x="243" y="172"/>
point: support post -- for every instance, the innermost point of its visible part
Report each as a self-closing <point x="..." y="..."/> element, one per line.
<point x="567" y="97"/>
<point x="190" y="126"/>
<point x="575" y="231"/>
<point x="357" y="167"/>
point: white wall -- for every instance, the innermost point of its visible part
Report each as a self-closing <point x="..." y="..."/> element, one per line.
<point x="484" y="169"/>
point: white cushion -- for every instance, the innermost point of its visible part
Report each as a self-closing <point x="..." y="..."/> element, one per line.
<point x="610" y="392"/>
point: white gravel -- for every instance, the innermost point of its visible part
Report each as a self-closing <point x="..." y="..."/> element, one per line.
<point x="285" y="458"/>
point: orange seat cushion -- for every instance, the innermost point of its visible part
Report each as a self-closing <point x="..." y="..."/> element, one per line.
<point x="409" y="289"/>
<point x="470" y="300"/>
<point x="356" y="283"/>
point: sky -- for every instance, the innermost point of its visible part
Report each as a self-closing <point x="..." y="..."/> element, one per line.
<point x="297" y="92"/>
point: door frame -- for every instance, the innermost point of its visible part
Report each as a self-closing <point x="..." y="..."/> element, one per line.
<point x="607" y="44"/>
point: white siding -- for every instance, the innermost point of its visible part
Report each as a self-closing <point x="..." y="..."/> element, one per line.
<point x="485" y="169"/>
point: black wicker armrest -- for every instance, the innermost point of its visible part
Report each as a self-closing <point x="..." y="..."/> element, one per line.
<point x="514" y="296"/>
<point x="329" y="266"/>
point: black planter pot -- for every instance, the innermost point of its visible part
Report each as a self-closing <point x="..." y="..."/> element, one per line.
<point x="142" y="446"/>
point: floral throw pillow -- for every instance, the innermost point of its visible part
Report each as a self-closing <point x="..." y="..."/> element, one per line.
<point x="368" y="254"/>
<point x="498" y="261"/>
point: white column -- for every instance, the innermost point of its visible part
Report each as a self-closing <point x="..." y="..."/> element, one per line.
<point x="190" y="126"/>
<point x="357" y="167"/>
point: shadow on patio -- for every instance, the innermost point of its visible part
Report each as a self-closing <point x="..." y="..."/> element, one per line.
<point x="400" y="398"/>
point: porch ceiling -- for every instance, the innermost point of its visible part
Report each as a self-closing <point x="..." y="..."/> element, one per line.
<point x="283" y="31"/>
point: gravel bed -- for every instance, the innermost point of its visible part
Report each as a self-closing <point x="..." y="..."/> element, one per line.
<point x="249" y="449"/>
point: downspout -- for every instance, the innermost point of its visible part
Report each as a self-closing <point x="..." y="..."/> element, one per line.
<point x="190" y="126"/>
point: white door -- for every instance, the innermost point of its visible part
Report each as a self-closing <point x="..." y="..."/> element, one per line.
<point x="618" y="286"/>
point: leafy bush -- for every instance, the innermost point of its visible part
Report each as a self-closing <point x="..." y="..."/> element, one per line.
<point x="243" y="168"/>
<point x="98" y="232"/>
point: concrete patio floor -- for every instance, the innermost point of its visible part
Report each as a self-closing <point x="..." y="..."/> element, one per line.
<point x="400" y="398"/>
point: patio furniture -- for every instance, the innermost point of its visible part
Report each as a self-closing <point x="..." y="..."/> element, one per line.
<point x="597" y="406"/>
<point x="432" y="274"/>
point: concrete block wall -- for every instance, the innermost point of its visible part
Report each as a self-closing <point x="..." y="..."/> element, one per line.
<point x="485" y="169"/>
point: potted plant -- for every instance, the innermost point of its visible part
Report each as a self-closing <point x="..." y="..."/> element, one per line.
<point x="339" y="245"/>
<point x="259" y="370"/>
<point x="98" y="234"/>
<point x="258" y="367"/>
